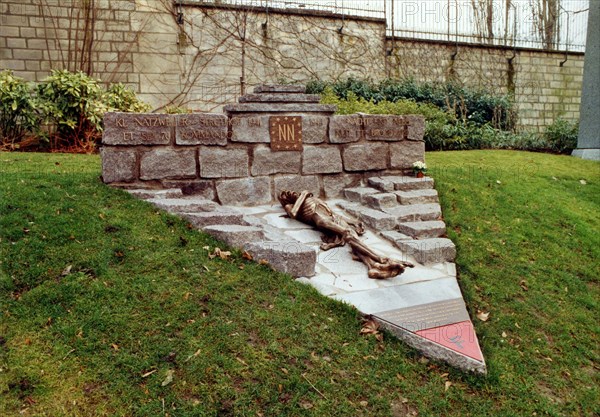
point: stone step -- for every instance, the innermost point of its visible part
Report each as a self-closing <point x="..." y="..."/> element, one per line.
<point x="279" y="88"/>
<point x="184" y="205"/>
<point x="280" y="98"/>
<point x="423" y="229"/>
<point x="417" y="196"/>
<point x="214" y="218"/>
<point x="381" y="201"/>
<point x="235" y="235"/>
<point x="415" y="212"/>
<point x="375" y="219"/>
<point x="147" y="194"/>
<point x="288" y="256"/>
<point x="358" y="194"/>
<point x="428" y="251"/>
<point x="394" y="235"/>
<point x="403" y="183"/>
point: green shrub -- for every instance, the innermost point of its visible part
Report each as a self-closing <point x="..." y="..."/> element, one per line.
<point x="120" y="98"/>
<point x="561" y="136"/>
<point x="177" y="110"/>
<point x="18" y="116"/>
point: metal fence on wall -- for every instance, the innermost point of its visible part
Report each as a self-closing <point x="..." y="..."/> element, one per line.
<point x="512" y="23"/>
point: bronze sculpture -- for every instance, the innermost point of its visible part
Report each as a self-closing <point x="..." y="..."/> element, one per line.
<point x="338" y="231"/>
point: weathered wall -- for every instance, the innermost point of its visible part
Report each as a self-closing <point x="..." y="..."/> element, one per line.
<point x="205" y="61"/>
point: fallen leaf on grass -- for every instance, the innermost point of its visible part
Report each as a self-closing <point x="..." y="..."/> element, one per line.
<point x="504" y="334"/>
<point x="583" y="182"/>
<point x="247" y="256"/>
<point x="447" y="385"/>
<point x="115" y="346"/>
<point x="370" y="326"/>
<point x="220" y="253"/>
<point x="168" y="378"/>
<point x="147" y="374"/>
<point x="483" y="316"/>
<point x="523" y="285"/>
<point x="263" y="262"/>
<point x="194" y="355"/>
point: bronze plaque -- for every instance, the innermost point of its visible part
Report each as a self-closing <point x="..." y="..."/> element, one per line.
<point x="286" y="133"/>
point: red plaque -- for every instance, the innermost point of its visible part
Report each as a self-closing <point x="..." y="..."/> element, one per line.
<point x="286" y="133"/>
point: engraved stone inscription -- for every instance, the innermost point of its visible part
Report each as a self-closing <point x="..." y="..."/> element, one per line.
<point x="201" y="129"/>
<point x="314" y="129"/>
<point x="251" y="129"/>
<point x="386" y="128"/>
<point x="426" y="316"/>
<point x="285" y="133"/>
<point x="137" y="129"/>
<point x="346" y="129"/>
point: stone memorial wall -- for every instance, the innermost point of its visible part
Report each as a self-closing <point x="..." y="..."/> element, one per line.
<point x="277" y="138"/>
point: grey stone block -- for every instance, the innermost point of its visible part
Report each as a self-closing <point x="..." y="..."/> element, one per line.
<point x="386" y="127"/>
<point x="423" y="229"/>
<point x="416" y="130"/>
<point x="267" y="162"/>
<point x="405" y="153"/>
<point x="373" y="218"/>
<point x="160" y="163"/>
<point x="365" y="157"/>
<point x="428" y="251"/>
<point x="214" y="218"/>
<point x="244" y="191"/>
<point x="279" y="88"/>
<point x="118" y="165"/>
<point x="250" y="129"/>
<point x="415" y="212"/>
<point x="235" y="235"/>
<point x="137" y="129"/>
<point x="198" y="188"/>
<point x="381" y="183"/>
<point x="381" y="200"/>
<point x="280" y="98"/>
<point x="287" y="256"/>
<point x="358" y="194"/>
<point x="201" y="129"/>
<point x="324" y="109"/>
<point x="224" y="162"/>
<point x="417" y="196"/>
<point x="346" y="128"/>
<point x="315" y="129"/>
<point x="334" y="185"/>
<point x="185" y="205"/>
<point x="157" y="194"/>
<point x="393" y="235"/>
<point x="412" y="183"/>
<point x="321" y="160"/>
<point x="297" y="183"/>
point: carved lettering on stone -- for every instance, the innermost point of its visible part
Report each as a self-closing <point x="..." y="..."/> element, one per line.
<point x="201" y="129"/>
<point x="386" y="128"/>
<point x="285" y="133"/>
<point x="137" y="129"/>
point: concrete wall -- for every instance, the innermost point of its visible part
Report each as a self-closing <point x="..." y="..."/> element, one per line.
<point x="218" y="52"/>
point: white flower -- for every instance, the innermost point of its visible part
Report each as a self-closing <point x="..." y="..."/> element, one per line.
<point x="419" y="166"/>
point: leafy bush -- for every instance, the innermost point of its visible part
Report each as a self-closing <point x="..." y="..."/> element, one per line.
<point x="17" y="110"/>
<point x="73" y="105"/>
<point x="467" y="104"/>
<point x="561" y="136"/>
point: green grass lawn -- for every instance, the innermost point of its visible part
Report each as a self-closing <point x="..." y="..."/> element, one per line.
<point x="112" y="308"/>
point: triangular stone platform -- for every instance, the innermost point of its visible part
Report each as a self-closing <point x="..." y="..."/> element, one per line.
<point x="423" y="306"/>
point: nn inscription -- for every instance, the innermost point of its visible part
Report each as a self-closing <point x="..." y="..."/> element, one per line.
<point x="285" y="133"/>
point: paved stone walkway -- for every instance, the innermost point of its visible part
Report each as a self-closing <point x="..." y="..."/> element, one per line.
<point x="423" y="306"/>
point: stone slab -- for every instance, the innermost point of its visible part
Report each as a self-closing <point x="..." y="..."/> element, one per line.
<point x="375" y="218"/>
<point x="267" y="162"/>
<point x="297" y="183"/>
<point x="137" y="129"/>
<point x="224" y="162"/>
<point x="198" y="188"/>
<point x="280" y="108"/>
<point x="244" y="191"/>
<point x="380" y="201"/>
<point x="315" y="129"/>
<point x="428" y="251"/>
<point x="280" y="88"/>
<point x="234" y="235"/>
<point x="417" y="196"/>
<point x="415" y="212"/>
<point x="146" y="194"/>
<point x="405" y="153"/>
<point x="426" y="316"/>
<point x="214" y="218"/>
<point x="289" y="256"/>
<point x="381" y="183"/>
<point x="365" y="157"/>
<point x="250" y="129"/>
<point x="358" y="194"/>
<point x="201" y="129"/>
<point x="162" y="163"/>
<point x="184" y="205"/>
<point x="423" y="229"/>
<point x="345" y="128"/>
<point x="402" y="296"/>
<point x="334" y="185"/>
<point x="321" y="160"/>
<point x="280" y="98"/>
<point x="118" y="164"/>
<point x="405" y="183"/>
<point x="393" y="235"/>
